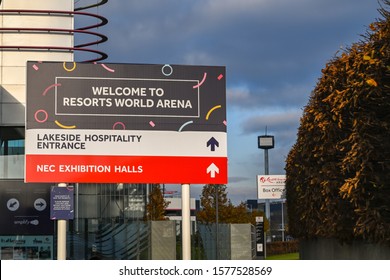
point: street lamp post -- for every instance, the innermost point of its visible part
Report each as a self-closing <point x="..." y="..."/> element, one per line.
<point x="266" y="142"/>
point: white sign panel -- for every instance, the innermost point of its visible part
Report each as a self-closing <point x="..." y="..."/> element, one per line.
<point x="271" y="186"/>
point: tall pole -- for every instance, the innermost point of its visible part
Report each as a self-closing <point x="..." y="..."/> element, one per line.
<point x="216" y="223"/>
<point x="186" y="221"/>
<point x="61" y="235"/>
<point x="76" y="216"/>
<point x="282" y="219"/>
<point x="266" y="142"/>
<point x="267" y="201"/>
<point x="266" y="162"/>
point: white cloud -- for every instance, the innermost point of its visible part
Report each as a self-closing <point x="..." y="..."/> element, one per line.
<point x="273" y="51"/>
<point x="239" y="96"/>
<point x="277" y="121"/>
<point x="198" y="58"/>
<point x="279" y="95"/>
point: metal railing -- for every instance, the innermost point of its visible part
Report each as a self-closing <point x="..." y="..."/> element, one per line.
<point x="86" y="30"/>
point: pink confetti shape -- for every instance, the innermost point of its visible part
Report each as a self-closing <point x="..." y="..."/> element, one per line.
<point x="201" y="82"/>
<point x="105" y="67"/>
<point x="50" y="87"/>
<point x="152" y="124"/>
<point x="119" y="123"/>
<point x="45" y="116"/>
<point x="36" y="68"/>
<point x="220" y="77"/>
<point x="225" y="122"/>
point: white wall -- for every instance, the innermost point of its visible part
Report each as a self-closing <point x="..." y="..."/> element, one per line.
<point x="175" y="203"/>
<point x="13" y="62"/>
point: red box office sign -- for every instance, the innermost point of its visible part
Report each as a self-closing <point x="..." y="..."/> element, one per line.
<point x="130" y="123"/>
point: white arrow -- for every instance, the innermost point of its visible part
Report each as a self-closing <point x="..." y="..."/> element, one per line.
<point x="212" y="169"/>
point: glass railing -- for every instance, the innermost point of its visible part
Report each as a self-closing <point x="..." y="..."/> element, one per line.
<point x="12" y="167"/>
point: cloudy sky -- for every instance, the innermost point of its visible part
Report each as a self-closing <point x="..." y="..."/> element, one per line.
<point x="273" y="51"/>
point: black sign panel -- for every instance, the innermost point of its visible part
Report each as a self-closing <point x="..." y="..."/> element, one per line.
<point x="127" y="97"/>
<point x="136" y="96"/>
<point x="260" y="244"/>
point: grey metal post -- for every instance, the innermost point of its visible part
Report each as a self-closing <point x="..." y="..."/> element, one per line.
<point x="282" y="219"/>
<point x="61" y="234"/>
<point x="267" y="201"/>
<point x="266" y="142"/>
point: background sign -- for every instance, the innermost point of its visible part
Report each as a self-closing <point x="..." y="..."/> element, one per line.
<point x="24" y="208"/>
<point x="125" y="123"/>
<point x="26" y="247"/>
<point x="271" y="186"/>
<point x="260" y="245"/>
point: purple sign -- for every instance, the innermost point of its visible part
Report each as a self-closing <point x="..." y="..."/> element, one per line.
<point x="62" y="203"/>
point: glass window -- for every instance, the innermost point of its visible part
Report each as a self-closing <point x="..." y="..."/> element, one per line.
<point x="12" y="152"/>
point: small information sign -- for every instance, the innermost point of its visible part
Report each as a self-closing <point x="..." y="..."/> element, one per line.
<point x="260" y="236"/>
<point x="271" y="186"/>
<point x="62" y="203"/>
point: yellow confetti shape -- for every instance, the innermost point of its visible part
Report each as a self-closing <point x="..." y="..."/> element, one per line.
<point x="64" y="126"/>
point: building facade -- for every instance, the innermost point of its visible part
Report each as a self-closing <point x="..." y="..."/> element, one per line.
<point x="108" y="219"/>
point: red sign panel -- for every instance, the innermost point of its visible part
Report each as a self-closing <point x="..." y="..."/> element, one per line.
<point x="124" y="169"/>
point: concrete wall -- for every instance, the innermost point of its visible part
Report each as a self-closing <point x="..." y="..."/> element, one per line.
<point x="235" y="241"/>
<point x="241" y="247"/>
<point x="13" y="62"/>
<point x="163" y="240"/>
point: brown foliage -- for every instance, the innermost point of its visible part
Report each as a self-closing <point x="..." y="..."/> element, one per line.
<point x="282" y="247"/>
<point x="338" y="171"/>
<point x="227" y="212"/>
<point x="155" y="209"/>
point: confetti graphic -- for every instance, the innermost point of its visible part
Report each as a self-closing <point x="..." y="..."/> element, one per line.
<point x="211" y="110"/>
<point x="184" y="125"/>
<point x="204" y="79"/>
<point x="64" y="126"/>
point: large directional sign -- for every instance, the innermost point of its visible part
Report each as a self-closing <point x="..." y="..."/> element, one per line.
<point x="125" y="123"/>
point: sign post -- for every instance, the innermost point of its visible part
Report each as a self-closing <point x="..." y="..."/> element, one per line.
<point x="61" y="209"/>
<point x="186" y="221"/>
<point x="61" y="239"/>
<point x="129" y="123"/>
<point x="266" y="142"/>
<point x="61" y="234"/>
